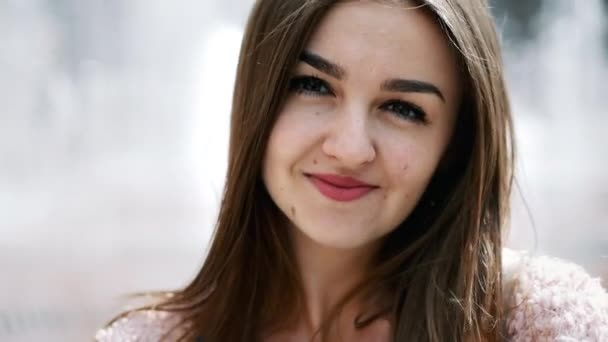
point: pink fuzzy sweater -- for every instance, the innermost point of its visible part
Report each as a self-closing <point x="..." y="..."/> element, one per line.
<point x="552" y="300"/>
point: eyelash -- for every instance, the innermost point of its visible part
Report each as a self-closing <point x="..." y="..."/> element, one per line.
<point x="302" y="85"/>
<point x="314" y="86"/>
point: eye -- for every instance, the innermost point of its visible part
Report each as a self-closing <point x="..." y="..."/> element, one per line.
<point x="309" y="85"/>
<point x="406" y="111"/>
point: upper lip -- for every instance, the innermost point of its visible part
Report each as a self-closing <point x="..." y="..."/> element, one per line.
<point x="340" y="181"/>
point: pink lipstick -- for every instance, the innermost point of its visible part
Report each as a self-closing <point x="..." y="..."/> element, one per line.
<point x="340" y="188"/>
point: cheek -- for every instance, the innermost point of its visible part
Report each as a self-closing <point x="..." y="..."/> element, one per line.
<point x="411" y="164"/>
<point x="403" y="164"/>
<point x="296" y="129"/>
<point x="293" y="135"/>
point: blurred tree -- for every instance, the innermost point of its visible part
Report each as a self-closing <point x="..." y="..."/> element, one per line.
<point x="516" y="17"/>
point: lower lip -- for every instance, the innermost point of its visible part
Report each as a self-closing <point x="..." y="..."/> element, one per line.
<point x="340" y="194"/>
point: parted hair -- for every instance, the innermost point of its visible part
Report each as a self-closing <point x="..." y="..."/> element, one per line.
<point x="441" y="266"/>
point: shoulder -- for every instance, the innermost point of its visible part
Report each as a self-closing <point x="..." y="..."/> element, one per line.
<point x="553" y="300"/>
<point x="146" y="325"/>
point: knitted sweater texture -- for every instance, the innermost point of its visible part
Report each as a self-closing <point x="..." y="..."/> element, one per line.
<point x="547" y="300"/>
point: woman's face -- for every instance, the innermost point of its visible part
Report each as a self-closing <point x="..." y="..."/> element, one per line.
<point x="371" y="110"/>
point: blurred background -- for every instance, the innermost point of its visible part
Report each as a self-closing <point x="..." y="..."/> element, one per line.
<point x="113" y="140"/>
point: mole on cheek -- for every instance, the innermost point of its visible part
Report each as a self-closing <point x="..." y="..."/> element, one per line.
<point x="293" y="211"/>
<point x="314" y="161"/>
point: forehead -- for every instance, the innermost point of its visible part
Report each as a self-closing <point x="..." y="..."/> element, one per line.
<point x="389" y="39"/>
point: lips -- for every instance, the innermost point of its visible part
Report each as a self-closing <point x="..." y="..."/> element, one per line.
<point x="340" y="188"/>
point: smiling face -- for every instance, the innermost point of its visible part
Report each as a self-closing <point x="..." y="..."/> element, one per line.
<point x="371" y="109"/>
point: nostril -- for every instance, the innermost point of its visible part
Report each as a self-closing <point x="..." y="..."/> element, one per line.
<point x="351" y="152"/>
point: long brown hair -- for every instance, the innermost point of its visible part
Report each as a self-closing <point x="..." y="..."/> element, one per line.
<point x="442" y="265"/>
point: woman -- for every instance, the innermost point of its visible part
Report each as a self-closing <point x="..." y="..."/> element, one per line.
<point x="370" y="168"/>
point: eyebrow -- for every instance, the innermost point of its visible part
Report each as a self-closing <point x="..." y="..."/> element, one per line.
<point x="394" y="85"/>
<point x="412" y="86"/>
<point x="322" y="64"/>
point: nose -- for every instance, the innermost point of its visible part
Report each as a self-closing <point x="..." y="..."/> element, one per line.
<point x="349" y="140"/>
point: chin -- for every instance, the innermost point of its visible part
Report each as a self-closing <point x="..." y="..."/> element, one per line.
<point x="331" y="237"/>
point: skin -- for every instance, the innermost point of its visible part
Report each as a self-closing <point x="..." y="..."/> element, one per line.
<point x="346" y="124"/>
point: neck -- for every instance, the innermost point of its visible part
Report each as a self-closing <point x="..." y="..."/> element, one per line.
<point x="327" y="275"/>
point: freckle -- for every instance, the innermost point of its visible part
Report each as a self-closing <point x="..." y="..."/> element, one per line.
<point x="314" y="161"/>
<point x="293" y="211"/>
<point x="317" y="113"/>
<point x="404" y="167"/>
